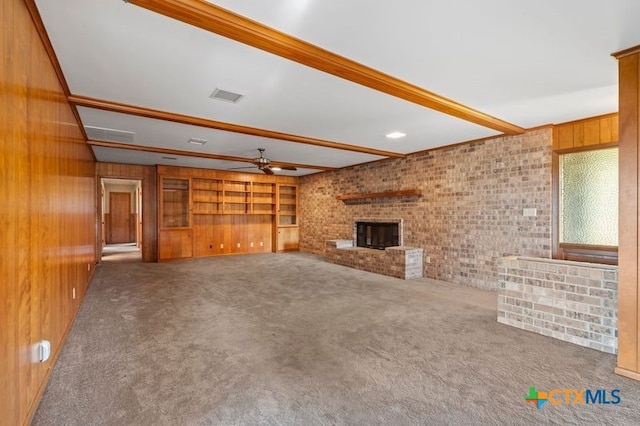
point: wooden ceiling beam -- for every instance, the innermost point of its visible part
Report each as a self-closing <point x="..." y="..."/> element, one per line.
<point x="219" y="125"/>
<point x="168" y="151"/>
<point x="236" y="27"/>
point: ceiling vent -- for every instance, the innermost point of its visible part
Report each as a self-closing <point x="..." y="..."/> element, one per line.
<point x="111" y="135"/>
<point x="226" y="96"/>
<point x="196" y="141"/>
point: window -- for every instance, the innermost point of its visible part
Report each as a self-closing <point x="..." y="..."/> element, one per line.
<point x="587" y="205"/>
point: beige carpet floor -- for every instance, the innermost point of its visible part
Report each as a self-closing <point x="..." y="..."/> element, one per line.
<point x="287" y="339"/>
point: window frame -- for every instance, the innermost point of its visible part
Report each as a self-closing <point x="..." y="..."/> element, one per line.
<point x="567" y="251"/>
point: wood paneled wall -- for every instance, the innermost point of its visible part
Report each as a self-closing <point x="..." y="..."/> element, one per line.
<point x="629" y="214"/>
<point x="47" y="213"/>
<point x="149" y="202"/>
<point x="236" y="234"/>
<point x="599" y="130"/>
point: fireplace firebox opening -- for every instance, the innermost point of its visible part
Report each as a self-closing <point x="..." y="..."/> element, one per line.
<point x="377" y="235"/>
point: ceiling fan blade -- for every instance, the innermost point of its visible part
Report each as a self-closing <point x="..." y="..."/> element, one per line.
<point x="288" y="168"/>
<point x="238" y="168"/>
<point x="267" y="171"/>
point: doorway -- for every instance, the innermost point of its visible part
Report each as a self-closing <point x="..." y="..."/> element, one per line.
<point x="119" y="223"/>
<point x="121" y="219"/>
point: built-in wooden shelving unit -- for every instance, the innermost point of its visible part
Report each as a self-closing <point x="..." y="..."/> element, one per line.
<point x="365" y="195"/>
<point x="213" y="212"/>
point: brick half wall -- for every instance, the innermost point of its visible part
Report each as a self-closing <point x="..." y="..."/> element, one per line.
<point x="571" y="301"/>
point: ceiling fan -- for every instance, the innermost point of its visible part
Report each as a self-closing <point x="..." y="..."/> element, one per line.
<point x="264" y="164"/>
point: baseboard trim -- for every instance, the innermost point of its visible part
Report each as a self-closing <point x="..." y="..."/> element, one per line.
<point x="627" y="373"/>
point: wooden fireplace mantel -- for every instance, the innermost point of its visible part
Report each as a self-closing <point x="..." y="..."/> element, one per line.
<point x="365" y="195"/>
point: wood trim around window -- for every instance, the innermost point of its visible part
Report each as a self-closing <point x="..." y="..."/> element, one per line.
<point x="588" y="253"/>
<point x="577" y="252"/>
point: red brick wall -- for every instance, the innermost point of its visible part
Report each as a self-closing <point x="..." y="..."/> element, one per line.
<point x="470" y="213"/>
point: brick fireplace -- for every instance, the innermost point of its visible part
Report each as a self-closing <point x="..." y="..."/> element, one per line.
<point x="377" y="246"/>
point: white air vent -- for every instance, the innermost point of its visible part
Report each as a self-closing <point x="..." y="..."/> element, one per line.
<point x="111" y="135"/>
<point x="225" y="95"/>
<point x="196" y="141"/>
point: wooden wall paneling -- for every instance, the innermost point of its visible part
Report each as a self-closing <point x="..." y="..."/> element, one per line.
<point x="239" y="234"/>
<point x="578" y="134"/>
<point x="628" y="275"/>
<point x="47" y="214"/>
<point x="258" y="231"/>
<point x="133" y="220"/>
<point x="227" y="237"/>
<point x="217" y="234"/>
<point x="107" y="228"/>
<point x="253" y="234"/>
<point x="591" y="131"/>
<point x="199" y="235"/>
<point x="565" y="137"/>
<point x="606" y="130"/>
<point x="205" y="236"/>
<point x="9" y="290"/>
<point x="264" y="233"/>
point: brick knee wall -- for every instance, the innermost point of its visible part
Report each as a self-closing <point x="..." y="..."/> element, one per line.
<point x="571" y="301"/>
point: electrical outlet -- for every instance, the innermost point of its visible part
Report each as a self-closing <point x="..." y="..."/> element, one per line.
<point x="530" y="212"/>
<point x="73" y="293"/>
<point x="428" y="259"/>
<point x="261" y="244"/>
<point x="238" y="245"/>
<point x="41" y="351"/>
<point x="221" y="246"/>
<point x="251" y="244"/>
<point x="89" y="267"/>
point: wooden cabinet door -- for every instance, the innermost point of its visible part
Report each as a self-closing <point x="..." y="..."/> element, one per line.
<point x="287" y="218"/>
<point x="287" y="239"/>
<point x="176" y="244"/>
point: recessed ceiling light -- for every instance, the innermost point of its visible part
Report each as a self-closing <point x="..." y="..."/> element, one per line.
<point x="395" y="135"/>
<point x="196" y="141"/>
<point x="225" y="95"/>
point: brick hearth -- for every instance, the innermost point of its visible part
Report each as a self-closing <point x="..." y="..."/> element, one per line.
<point x="398" y="262"/>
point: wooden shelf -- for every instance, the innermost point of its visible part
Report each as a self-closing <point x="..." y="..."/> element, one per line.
<point x="365" y="195"/>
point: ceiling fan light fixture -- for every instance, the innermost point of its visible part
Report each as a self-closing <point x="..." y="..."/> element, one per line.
<point x="276" y="168"/>
<point x="196" y="141"/>
<point x="395" y="135"/>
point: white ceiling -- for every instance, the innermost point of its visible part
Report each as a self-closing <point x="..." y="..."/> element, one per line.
<point x="529" y="63"/>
